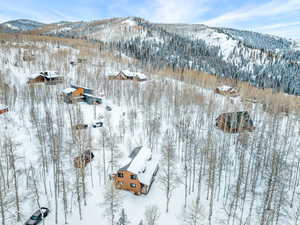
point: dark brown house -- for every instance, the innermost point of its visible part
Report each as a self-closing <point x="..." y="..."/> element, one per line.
<point x="235" y="122"/>
<point x="82" y="160"/>
<point x="3" y="109"/>
<point x="138" y="174"/>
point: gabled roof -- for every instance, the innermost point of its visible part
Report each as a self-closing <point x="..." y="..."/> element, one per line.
<point x="86" y="89"/>
<point x="128" y="73"/>
<point x="68" y="90"/>
<point x="142" y="164"/>
<point x="138" y="157"/>
<point x="50" y="74"/>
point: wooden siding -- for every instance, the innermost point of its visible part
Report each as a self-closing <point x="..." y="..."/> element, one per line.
<point x="38" y="79"/>
<point x="78" y="92"/>
<point x="3" y="111"/>
<point x="125" y="181"/>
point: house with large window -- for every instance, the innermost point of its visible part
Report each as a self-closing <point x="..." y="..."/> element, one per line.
<point x="138" y="173"/>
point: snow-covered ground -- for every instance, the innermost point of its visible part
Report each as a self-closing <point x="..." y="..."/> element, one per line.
<point x="217" y="166"/>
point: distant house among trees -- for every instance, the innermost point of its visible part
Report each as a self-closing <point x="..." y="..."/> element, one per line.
<point x="82" y="160"/>
<point x="128" y="75"/>
<point x="76" y="93"/>
<point x="138" y="174"/>
<point x="3" y="109"/>
<point x="234" y="122"/>
<point x="227" y="91"/>
<point x="49" y="77"/>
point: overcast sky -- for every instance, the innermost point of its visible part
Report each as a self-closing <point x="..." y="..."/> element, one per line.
<point x="279" y="17"/>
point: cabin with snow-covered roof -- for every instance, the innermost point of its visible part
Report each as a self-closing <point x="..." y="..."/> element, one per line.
<point x="138" y="173"/>
<point x="227" y="91"/>
<point x="76" y="93"/>
<point x="128" y="75"/>
<point x="49" y="77"/>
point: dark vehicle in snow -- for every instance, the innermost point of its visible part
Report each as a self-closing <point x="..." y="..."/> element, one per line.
<point x="38" y="216"/>
<point x="97" y="123"/>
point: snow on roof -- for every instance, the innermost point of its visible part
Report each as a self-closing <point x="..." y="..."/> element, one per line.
<point x="92" y="96"/>
<point x="68" y="90"/>
<point x="34" y="75"/>
<point x="151" y="166"/>
<point x="224" y="88"/>
<point x="3" y="107"/>
<point x="50" y="74"/>
<point x="134" y="74"/>
<point x="139" y="158"/>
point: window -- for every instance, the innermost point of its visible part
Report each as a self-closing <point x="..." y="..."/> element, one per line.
<point x="120" y="174"/>
<point x="133" y="177"/>
<point x="133" y="185"/>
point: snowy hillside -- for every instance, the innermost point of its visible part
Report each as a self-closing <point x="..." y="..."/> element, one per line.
<point x="20" y="25"/>
<point x="263" y="60"/>
<point x="216" y="177"/>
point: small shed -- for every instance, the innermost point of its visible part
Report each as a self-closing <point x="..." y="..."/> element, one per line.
<point x="137" y="175"/>
<point x="227" y="91"/>
<point x="3" y="109"/>
<point x="82" y="160"/>
<point x="234" y="122"/>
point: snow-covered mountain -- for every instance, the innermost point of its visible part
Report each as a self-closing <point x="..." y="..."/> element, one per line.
<point x="263" y="60"/>
<point x="20" y="25"/>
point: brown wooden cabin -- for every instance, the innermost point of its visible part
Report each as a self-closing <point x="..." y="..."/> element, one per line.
<point x="82" y="160"/>
<point x="227" y="91"/>
<point x="78" y="93"/>
<point x="235" y="122"/>
<point x="128" y="75"/>
<point x="48" y="77"/>
<point x="138" y="175"/>
<point x="3" y="109"/>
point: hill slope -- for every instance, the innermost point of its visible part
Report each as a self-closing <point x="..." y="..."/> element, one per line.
<point x="263" y="60"/>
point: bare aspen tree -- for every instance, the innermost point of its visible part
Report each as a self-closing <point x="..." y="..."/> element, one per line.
<point x="112" y="202"/>
<point x="168" y="174"/>
<point x="151" y="215"/>
<point x="193" y="214"/>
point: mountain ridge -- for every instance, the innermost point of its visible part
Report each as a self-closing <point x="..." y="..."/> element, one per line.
<point x="264" y="61"/>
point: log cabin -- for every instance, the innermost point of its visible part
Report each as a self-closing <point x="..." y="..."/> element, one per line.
<point x="234" y="122"/>
<point x="138" y="174"/>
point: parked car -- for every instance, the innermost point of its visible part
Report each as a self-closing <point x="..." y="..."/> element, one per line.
<point x="97" y="123"/>
<point x="38" y="216"/>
